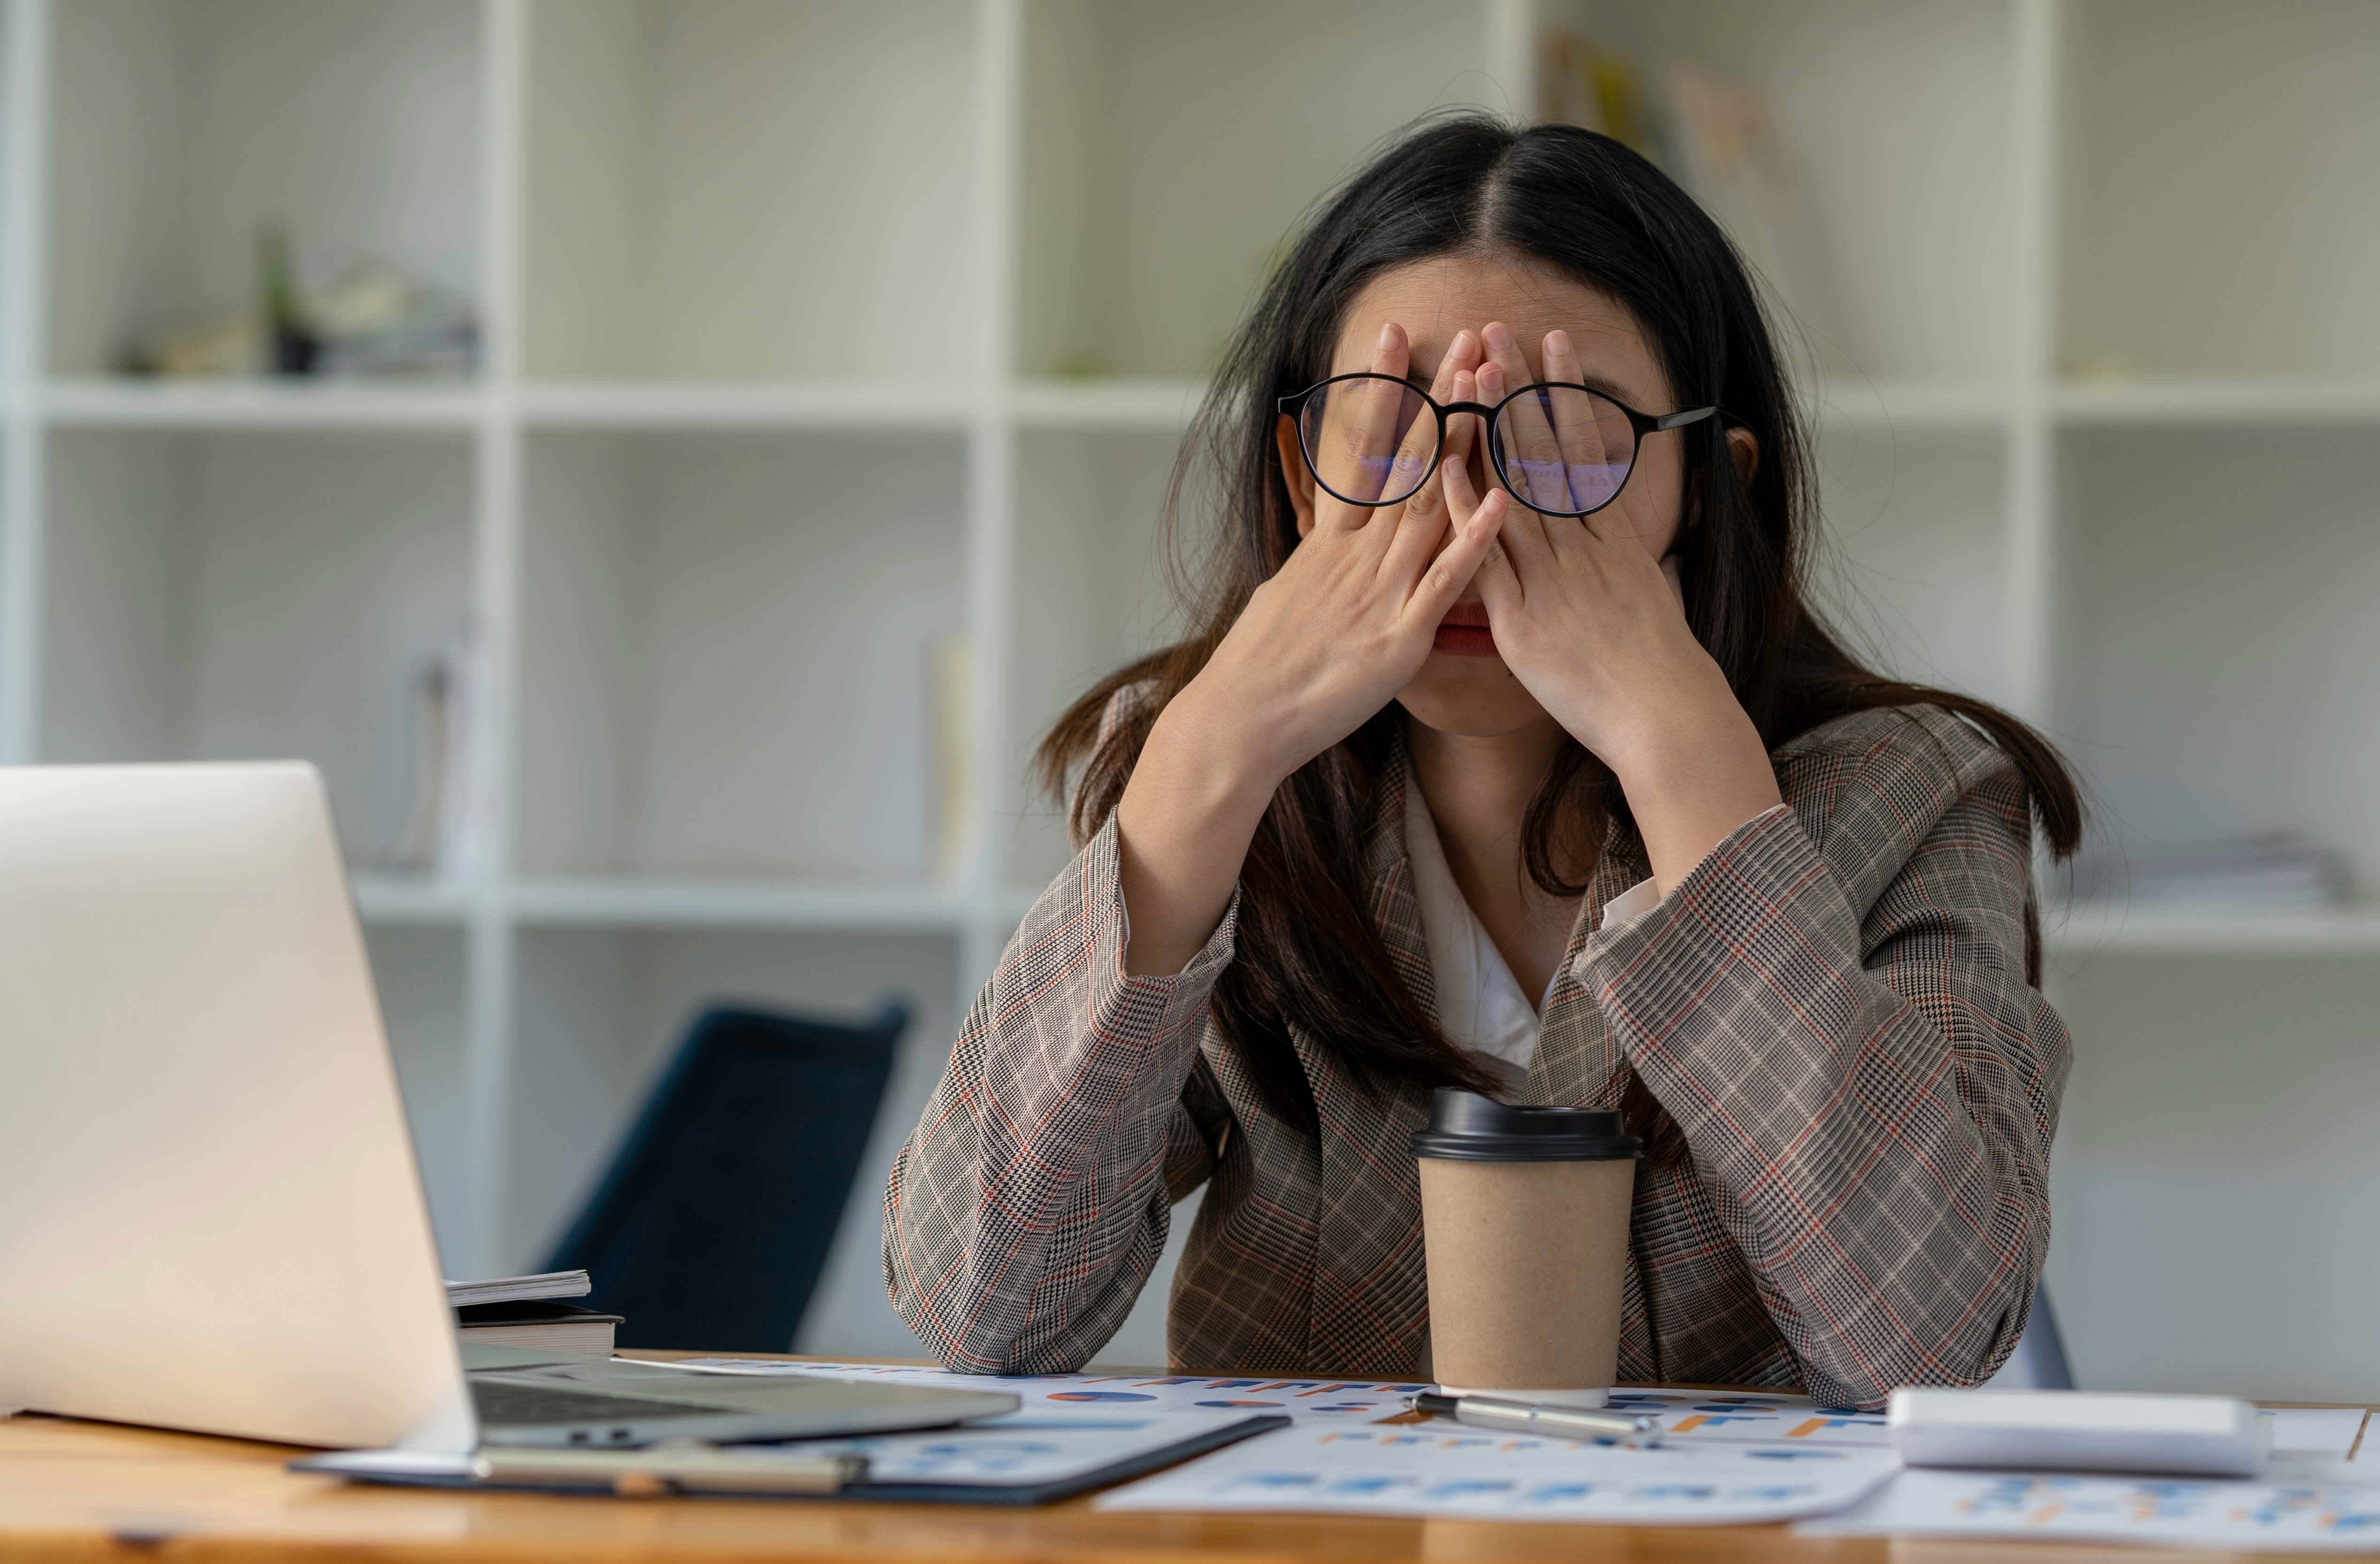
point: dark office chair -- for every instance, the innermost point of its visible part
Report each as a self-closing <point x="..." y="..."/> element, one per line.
<point x="713" y="1223"/>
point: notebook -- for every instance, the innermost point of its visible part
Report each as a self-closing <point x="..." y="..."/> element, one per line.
<point x="542" y="1323"/>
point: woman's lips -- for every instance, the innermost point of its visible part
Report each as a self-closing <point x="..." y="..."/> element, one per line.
<point x="1463" y="632"/>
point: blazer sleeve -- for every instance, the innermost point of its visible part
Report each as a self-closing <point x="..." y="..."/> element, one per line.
<point x="1833" y="1006"/>
<point x="1028" y="1206"/>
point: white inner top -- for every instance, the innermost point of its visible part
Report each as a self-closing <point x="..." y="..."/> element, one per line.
<point x="1481" y="1005"/>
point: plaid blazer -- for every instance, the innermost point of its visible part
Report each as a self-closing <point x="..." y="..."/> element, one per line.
<point x="1847" y="1086"/>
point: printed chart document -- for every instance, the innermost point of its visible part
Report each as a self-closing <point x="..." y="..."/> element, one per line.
<point x="1750" y="1417"/>
<point x="2311" y="1498"/>
<point x="1332" y="1400"/>
<point x="2172" y="1511"/>
<point x="1442" y="1469"/>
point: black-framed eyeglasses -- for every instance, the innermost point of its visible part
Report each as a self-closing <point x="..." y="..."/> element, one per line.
<point x="1561" y="449"/>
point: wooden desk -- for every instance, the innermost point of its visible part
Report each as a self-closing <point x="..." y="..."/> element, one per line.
<point x="85" y="1491"/>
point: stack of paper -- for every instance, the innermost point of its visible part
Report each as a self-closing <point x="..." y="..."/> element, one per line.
<point x="518" y="1288"/>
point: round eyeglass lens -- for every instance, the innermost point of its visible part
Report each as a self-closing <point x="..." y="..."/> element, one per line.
<point x="1562" y="449"/>
<point x="1370" y="440"/>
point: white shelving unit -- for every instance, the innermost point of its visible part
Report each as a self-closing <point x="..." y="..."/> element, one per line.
<point x="818" y="334"/>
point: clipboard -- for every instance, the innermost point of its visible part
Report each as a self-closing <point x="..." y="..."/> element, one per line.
<point x="814" y="1470"/>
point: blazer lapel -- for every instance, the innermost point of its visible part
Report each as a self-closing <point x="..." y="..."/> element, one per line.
<point x="1388" y="872"/>
<point x="1577" y="1064"/>
<point x="1371" y="1290"/>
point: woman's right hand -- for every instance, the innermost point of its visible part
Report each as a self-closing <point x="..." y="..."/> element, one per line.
<point x="1344" y="624"/>
<point x="1347" y="621"/>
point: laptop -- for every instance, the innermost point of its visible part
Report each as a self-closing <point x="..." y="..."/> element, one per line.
<point x="211" y="1218"/>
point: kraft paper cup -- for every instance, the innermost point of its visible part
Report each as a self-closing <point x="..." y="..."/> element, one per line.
<point x="1524" y="1222"/>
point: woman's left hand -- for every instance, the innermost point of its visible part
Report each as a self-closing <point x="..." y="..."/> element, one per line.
<point x="1591" y="618"/>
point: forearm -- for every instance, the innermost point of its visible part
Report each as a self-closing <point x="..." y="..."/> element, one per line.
<point x="1027" y="1207"/>
<point x="1872" y="1118"/>
<point x="1183" y="829"/>
<point x="1698" y="772"/>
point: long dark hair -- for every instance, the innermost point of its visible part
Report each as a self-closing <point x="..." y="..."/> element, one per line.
<point x="1308" y="954"/>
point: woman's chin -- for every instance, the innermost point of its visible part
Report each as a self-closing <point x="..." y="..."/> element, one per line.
<point x="1476" y="696"/>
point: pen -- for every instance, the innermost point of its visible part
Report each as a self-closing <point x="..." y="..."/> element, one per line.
<point x="1525" y="1417"/>
<point x="679" y="1466"/>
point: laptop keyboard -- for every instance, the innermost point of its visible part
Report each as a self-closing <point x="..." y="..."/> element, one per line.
<point x="500" y="1403"/>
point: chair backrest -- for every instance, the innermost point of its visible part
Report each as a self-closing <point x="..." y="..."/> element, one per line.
<point x="2039" y="1362"/>
<point x="713" y="1224"/>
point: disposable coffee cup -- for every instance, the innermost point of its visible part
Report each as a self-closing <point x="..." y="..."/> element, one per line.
<point x="1525" y="1223"/>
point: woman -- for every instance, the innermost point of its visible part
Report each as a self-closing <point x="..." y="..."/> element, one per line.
<point x="1572" y="801"/>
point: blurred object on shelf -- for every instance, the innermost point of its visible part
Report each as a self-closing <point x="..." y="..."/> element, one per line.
<point x="214" y="348"/>
<point x="2099" y="368"/>
<point x="952" y="666"/>
<point x="375" y="320"/>
<point x="2276" y="872"/>
<point x="1723" y="150"/>
<point x="1715" y="138"/>
<point x="369" y="321"/>
<point x="434" y="837"/>
<point x="1590" y="86"/>
<point x="1083" y="367"/>
<point x="294" y="348"/>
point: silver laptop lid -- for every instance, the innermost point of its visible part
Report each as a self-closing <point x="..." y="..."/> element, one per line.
<point x="212" y="1218"/>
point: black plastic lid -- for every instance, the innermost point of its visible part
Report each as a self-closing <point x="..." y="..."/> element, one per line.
<point x="1466" y="1127"/>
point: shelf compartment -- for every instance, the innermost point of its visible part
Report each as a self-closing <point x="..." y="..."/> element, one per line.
<point x="1091" y="594"/>
<point x="2219" y="206"/>
<point x="892" y="405"/>
<point x="726" y="654"/>
<point x="180" y="125"/>
<point x="600" y="1013"/>
<point x="2216" y="639"/>
<point x="1897" y="122"/>
<point x="590" y="902"/>
<point x="1912" y="566"/>
<point x="2221" y="399"/>
<point x="2078" y="932"/>
<point x="119" y="404"/>
<point x="750" y="189"/>
<point x="1168" y="149"/>
<point x="1145" y="404"/>
<point x="2217" y="1107"/>
<point x="250" y="596"/>
<point x="1916" y="403"/>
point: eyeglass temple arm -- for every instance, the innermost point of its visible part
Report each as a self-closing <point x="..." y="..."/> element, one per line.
<point x="1678" y="420"/>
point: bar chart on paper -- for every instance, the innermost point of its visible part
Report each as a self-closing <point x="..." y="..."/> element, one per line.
<point x="1443" y="1470"/>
